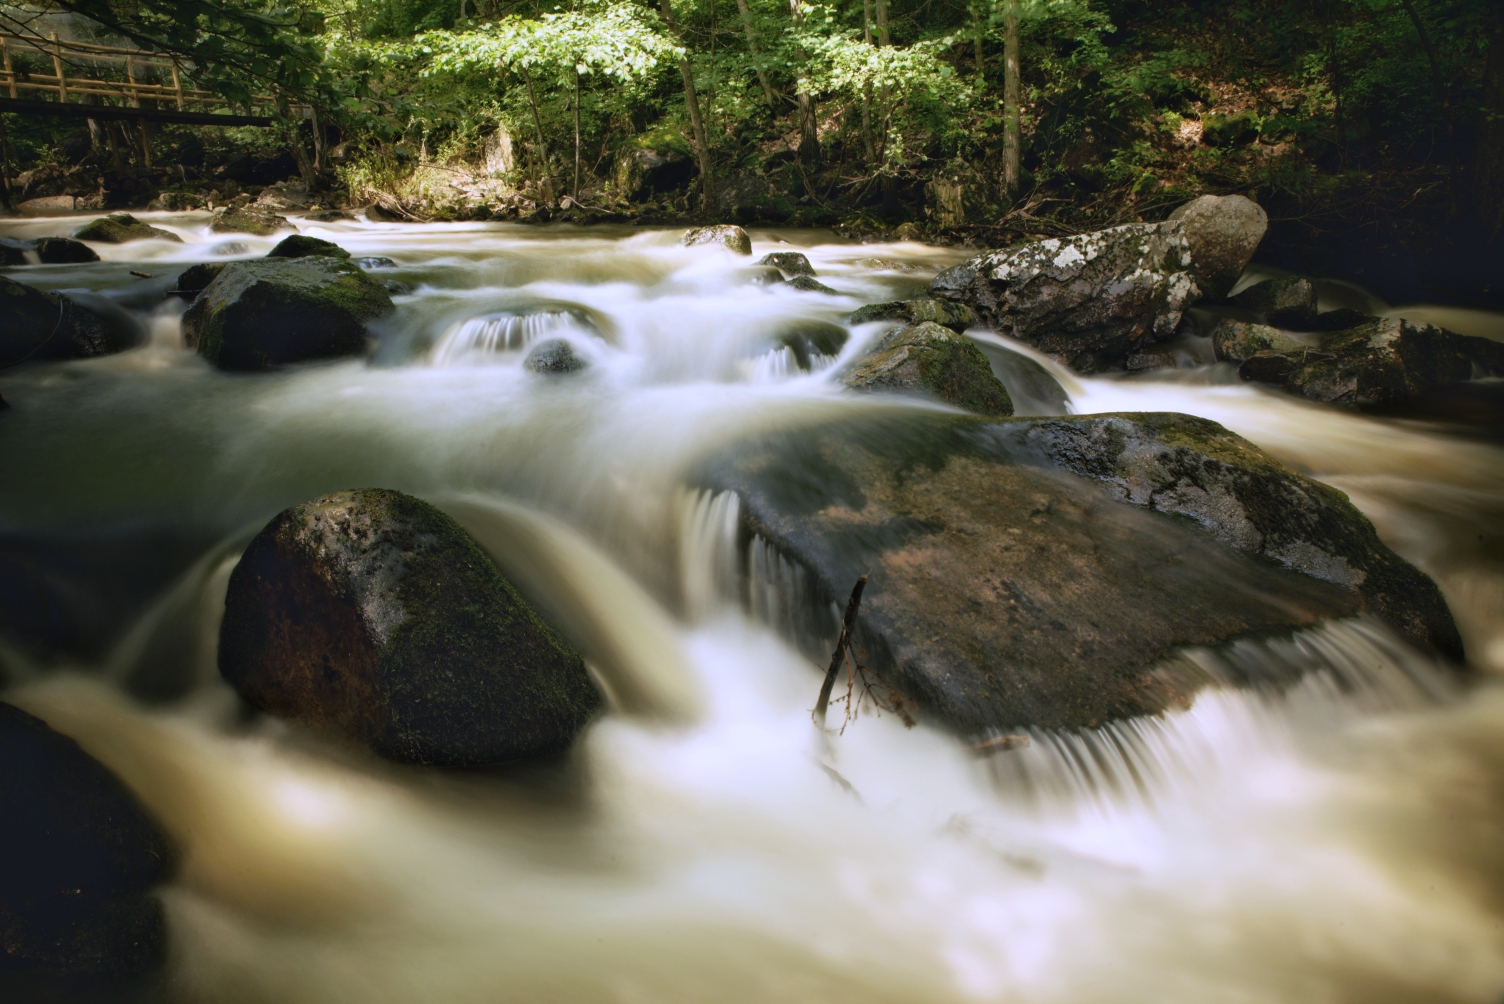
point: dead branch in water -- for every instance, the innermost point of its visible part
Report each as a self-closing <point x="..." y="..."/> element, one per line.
<point x="841" y="646"/>
<point x="862" y="683"/>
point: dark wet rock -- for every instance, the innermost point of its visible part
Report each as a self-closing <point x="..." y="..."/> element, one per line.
<point x="330" y="216"/>
<point x="1222" y="232"/>
<point x="48" y="251"/>
<point x="395" y="287"/>
<point x="196" y="278"/>
<point x="263" y="313"/>
<point x="1091" y="300"/>
<point x="553" y="356"/>
<point x="790" y="263"/>
<point x="656" y="161"/>
<point x="299" y="246"/>
<point x="1285" y="303"/>
<point x="373" y="615"/>
<point x="4" y="404"/>
<point x="807" y="284"/>
<point x="956" y="316"/>
<point x="82" y="855"/>
<point x="808" y="340"/>
<point x="122" y="228"/>
<point x="1158" y="359"/>
<point x="1237" y="129"/>
<point x="13" y="252"/>
<point x="1031" y="387"/>
<point x="934" y="361"/>
<point x="245" y="220"/>
<point x="35" y="326"/>
<point x="375" y="261"/>
<point x="1006" y="589"/>
<point x="732" y="238"/>
<point x="1234" y="341"/>
<point x="1341" y="319"/>
<point x="377" y="213"/>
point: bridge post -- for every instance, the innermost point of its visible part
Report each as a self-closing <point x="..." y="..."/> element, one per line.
<point x="57" y="66"/>
<point x="10" y="73"/>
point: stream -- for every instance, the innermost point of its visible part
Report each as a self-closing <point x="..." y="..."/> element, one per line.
<point x="1339" y="842"/>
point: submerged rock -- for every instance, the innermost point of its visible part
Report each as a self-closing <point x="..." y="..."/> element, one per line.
<point x="375" y="261"/>
<point x="553" y="356"/>
<point x="299" y="246"/>
<point x="1008" y="589"/>
<point x="1222" y="232"/>
<point x="373" y="615"/>
<point x="728" y="236"/>
<point x="82" y="856"/>
<point x="263" y="313"/>
<point x="808" y="340"/>
<point x="35" y="326"/>
<point x="934" y="361"/>
<point x="47" y="251"/>
<point x="1285" y="303"/>
<point x="1090" y="300"/>
<point x="790" y="263"/>
<point x="122" y="228"/>
<point x="956" y="316"/>
<point x="807" y="284"/>
<point x="235" y="220"/>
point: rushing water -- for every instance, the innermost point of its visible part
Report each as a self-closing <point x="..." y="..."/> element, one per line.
<point x="1337" y="842"/>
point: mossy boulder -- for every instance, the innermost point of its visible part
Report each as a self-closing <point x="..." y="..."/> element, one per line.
<point x="809" y="284"/>
<point x="956" y="316"/>
<point x="299" y="246"/>
<point x="728" y="236"/>
<point x="259" y="314"/>
<point x="1043" y="572"/>
<point x="238" y="220"/>
<point x="1222" y="233"/>
<point x="372" y="615"/>
<point x="1289" y="302"/>
<point x="36" y="326"/>
<point x="1237" y="129"/>
<point x="790" y="263"/>
<point x="123" y="228"/>
<point x="76" y="913"/>
<point x="933" y="361"/>
<point x="194" y="279"/>
<point x="47" y="251"/>
<point x="653" y="162"/>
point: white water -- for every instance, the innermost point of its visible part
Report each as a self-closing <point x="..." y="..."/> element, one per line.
<point x="1336" y="843"/>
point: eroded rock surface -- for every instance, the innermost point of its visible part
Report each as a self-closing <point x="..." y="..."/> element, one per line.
<point x="933" y="361"/>
<point x="1222" y="232"/>
<point x="728" y="236"/>
<point x="956" y="316"/>
<point x="373" y="615"/>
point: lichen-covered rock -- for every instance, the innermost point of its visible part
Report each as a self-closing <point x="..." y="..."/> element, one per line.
<point x="732" y="238"/>
<point x="263" y="313"/>
<point x="46" y="251"/>
<point x="1285" y="303"/>
<point x="1090" y="300"/>
<point x="299" y="246"/>
<point x="553" y="356"/>
<point x="932" y="360"/>
<point x="808" y="284"/>
<point x="1222" y="232"/>
<point x="956" y="316"/>
<point x="122" y="228"/>
<point x="82" y="856"/>
<point x="790" y="263"/>
<point x="1007" y="590"/>
<point x="35" y="326"/>
<point x="373" y="615"/>
<point x="237" y="220"/>
<point x="1194" y="467"/>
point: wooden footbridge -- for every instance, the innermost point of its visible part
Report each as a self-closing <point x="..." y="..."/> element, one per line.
<point x="146" y="86"/>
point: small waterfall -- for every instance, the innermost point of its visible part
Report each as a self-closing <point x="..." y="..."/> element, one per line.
<point x="708" y="564"/>
<point x="481" y="339"/>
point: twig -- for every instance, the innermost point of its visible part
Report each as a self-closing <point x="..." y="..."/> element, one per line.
<point x="841" y="646"/>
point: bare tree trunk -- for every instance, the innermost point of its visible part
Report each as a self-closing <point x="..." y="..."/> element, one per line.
<point x="575" y="192"/>
<point x="1011" y="99"/>
<point x="890" y="190"/>
<point x="809" y="133"/>
<point x="545" y="183"/>
<point x="762" y="74"/>
<point x="702" y="140"/>
<point x="1443" y="93"/>
<point x="867" y="145"/>
<point x="976" y="37"/>
<point x="1488" y="159"/>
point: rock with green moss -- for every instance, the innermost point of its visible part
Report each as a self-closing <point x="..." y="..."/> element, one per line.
<point x="76" y="904"/>
<point x="652" y="162"/>
<point x="259" y="314"/>
<point x="373" y="616"/>
<point x="300" y="246"/>
<point x="809" y="284"/>
<point x="956" y="316"/>
<point x="194" y="279"/>
<point x="238" y="220"/>
<point x="1289" y="302"/>
<point x="936" y="362"/>
<point x="122" y="228"/>
<point x="1046" y="572"/>
<point x="726" y="235"/>
<point x="1234" y="341"/>
<point x="790" y="263"/>
<point x="37" y="326"/>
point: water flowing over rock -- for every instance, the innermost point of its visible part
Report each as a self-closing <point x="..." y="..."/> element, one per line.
<point x="808" y="284"/>
<point x="1222" y="231"/>
<point x="1285" y="303"/>
<point x="299" y="246"/>
<point x="1090" y="300"/>
<point x="122" y="228"/>
<point x="194" y="279"/>
<point x="373" y="615"/>
<point x="330" y="216"/>
<point x="48" y="251"/>
<point x="732" y="238"/>
<point x="233" y="220"/>
<point x="81" y="857"/>
<point x="956" y="316"/>
<point x="934" y="361"/>
<point x="790" y="263"/>
<point x="35" y="326"/>
<point x="553" y="356"/>
<point x="1007" y="588"/>
<point x="259" y="314"/>
<point x="809" y="340"/>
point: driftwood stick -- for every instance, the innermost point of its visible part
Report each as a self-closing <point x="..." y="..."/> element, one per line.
<point x="835" y="659"/>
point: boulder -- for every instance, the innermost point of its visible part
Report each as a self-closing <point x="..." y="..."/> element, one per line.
<point x="1090" y="300"/>
<point x="373" y="615"/>
<point x="1285" y="303"/>
<point x="46" y="251"/>
<point x="36" y="326"/>
<point x="553" y="356"/>
<point x="298" y="246"/>
<point x="1039" y="572"/>
<point x="76" y="912"/>
<point x="49" y="205"/>
<point x="1234" y="341"/>
<point x="1222" y="232"/>
<point x="196" y="278"/>
<point x="259" y="314"/>
<point x="808" y="340"/>
<point x="1237" y="129"/>
<point x="809" y="284"/>
<point x="375" y="261"/>
<point x="177" y="202"/>
<point x="330" y="216"/>
<point x="123" y="228"/>
<point x="732" y="238"/>
<point x="227" y="248"/>
<point x="654" y="162"/>
<point x="790" y="263"/>
<point x="956" y="316"/>
<point x="241" y="220"/>
<point x="933" y="361"/>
